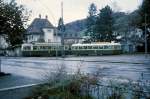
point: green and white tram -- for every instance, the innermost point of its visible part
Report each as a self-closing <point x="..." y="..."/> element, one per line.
<point x="55" y="49"/>
<point x="44" y="49"/>
<point x="103" y="48"/>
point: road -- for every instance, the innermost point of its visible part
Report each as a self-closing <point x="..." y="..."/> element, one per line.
<point x="29" y="70"/>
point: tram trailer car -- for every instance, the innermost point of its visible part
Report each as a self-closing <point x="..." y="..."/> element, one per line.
<point x="48" y="49"/>
<point x="97" y="49"/>
<point x="44" y="49"/>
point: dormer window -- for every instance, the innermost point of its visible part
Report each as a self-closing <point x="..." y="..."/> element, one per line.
<point x="49" y="30"/>
<point x="49" y="40"/>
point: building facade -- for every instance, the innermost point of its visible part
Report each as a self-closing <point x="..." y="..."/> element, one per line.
<point x="41" y="30"/>
<point x="72" y="38"/>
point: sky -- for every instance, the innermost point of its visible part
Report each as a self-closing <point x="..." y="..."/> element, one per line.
<point x="73" y="9"/>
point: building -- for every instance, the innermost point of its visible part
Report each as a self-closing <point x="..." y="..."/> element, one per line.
<point x="3" y="45"/>
<point x="6" y="50"/>
<point x="41" y="30"/>
<point x="130" y="40"/>
<point x="72" y="38"/>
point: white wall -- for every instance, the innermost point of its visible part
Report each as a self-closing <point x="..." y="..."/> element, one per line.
<point x="15" y="52"/>
<point x="3" y="43"/>
<point x="33" y="38"/>
<point x="49" y="36"/>
<point x="57" y="39"/>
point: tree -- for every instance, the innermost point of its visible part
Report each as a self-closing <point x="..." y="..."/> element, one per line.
<point x="91" y="19"/>
<point x="104" y="25"/>
<point x="144" y="10"/>
<point x="61" y="29"/>
<point x="125" y="28"/>
<point x="12" y="22"/>
<point x="61" y="26"/>
<point x="145" y="16"/>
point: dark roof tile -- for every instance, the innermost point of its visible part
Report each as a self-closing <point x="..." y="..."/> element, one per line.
<point x="37" y="25"/>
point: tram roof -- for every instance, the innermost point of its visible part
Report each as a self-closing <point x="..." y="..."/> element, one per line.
<point x="44" y="44"/>
<point x="96" y="44"/>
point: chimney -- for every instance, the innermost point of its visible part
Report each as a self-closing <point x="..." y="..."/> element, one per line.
<point x="40" y="16"/>
<point x="46" y="17"/>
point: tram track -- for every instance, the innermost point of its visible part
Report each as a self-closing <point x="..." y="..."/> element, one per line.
<point x="80" y="60"/>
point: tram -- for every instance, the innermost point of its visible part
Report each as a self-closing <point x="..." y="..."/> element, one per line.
<point x="44" y="49"/>
<point x="55" y="49"/>
<point x="104" y="48"/>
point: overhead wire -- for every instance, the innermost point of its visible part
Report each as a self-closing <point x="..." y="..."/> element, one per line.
<point x="49" y="10"/>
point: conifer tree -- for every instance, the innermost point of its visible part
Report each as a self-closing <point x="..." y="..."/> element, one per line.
<point x="91" y="19"/>
<point x="104" y="25"/>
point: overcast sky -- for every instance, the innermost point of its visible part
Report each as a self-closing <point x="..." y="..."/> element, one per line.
<point x="73" y="9"/>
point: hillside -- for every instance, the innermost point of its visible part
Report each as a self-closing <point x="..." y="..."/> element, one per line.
<point x="76" y="26"/>
<point x="79" y="26"/>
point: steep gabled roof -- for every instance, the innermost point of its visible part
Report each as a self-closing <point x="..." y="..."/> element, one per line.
<point x="37" y="25"/>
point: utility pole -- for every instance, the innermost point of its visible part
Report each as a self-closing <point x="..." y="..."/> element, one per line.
<point x="145" y="35"/>
<point x="62" y="30"/>
<point x="55" y="31"/>
<point x="62" y="11"/>
<point x="0" y="65"/>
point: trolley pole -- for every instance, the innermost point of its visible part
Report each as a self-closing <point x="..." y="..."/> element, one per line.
<point x="145" y="26"/>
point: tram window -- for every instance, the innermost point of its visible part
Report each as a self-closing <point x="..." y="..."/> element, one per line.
<point x="89" y="47"/>
<point x="80" y="47"/>
<point x="35" y="48"/>
<point x="27" y="48"/>
<point x="55" y="47"/>
<point x="49" y="47"/>
<point x="72" y="47"/>
<point x="58" y="47"/>
<point x="41" y="47"/>
<point x="118" y="47"/>
<point x="105" y="47"/>
<point x="100" y="47"/>
<point x="110" y="47"/>
<point x="66" y="47"/>
<point x="95" y="47"/>
<point x="45" y="47"/>
<point x="76" y="47"/>
<point x="52" y="48"/>
<point x="115" y="47"/>
<point x="85" y="47"/>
